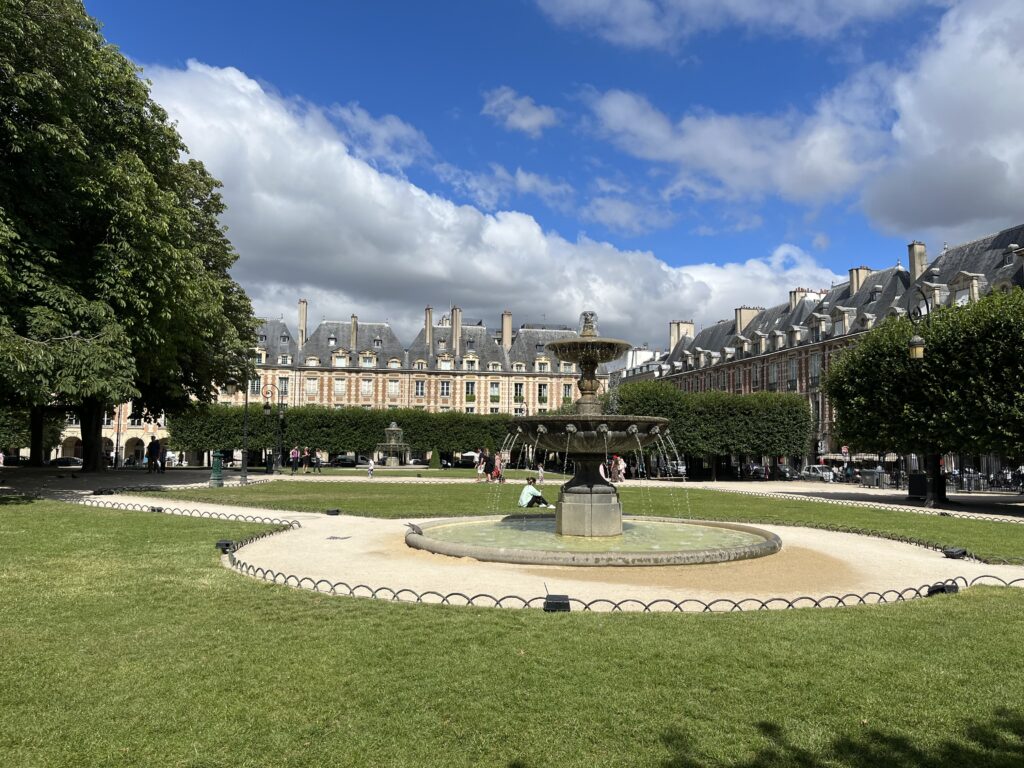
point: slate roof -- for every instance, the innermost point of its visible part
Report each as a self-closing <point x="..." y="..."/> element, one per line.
<point x="474" y="337"/>
<point x="318" y="344"/>
<point x="272" y="331"/>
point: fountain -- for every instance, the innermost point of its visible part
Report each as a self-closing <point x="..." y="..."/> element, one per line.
<point x="393" y="450"/>
<point x="588" y="527"/>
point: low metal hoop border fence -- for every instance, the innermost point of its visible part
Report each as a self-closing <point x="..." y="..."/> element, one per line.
<point x="232" y="516"/>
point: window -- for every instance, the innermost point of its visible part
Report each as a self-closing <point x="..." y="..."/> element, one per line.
<point x="282" y="386"/>
<point x="284" y="360"/>
<point x="518" y="367"/>
<point x="444" y="364"/>
<point x="367" y="361"/>
<point x="839" y="327"/>
<point x="421" y="365"/>
<point x="339" y="387"/>
<point x="962" y="297"/>
<point x="377" y="343"/>
<point x="340" y="361"/>
<point x="108" y="419"/>
<point x="517" y="392"/>
<point x="520" y="411"/>
<point x="71" y="420"/>
<point x="542" y="393"/>
<point x="311" y="386"/>
<point x="470" y="409"/>
<point x="542" y="367"/>
<point x="495" y="366"/>
<point x="494" y="389"/>
<point x="332" y="340"/>
<point x="312" y="361"/>
<point x="254" y="386"/>
<point x="566" y="367"/>
<point x="263" y="337"/>
<point x="442" y="345"/>
<point x="394" y="362"/>
<point x="394" y="388"/>
<point x="494" y="410"/>
<point x="134" y="421"/>
<point x="469" y="365"/>
<point x="814" y="370"/>
<point x="421" y="388"/>
<point x="366" y="387"/>
<point x="567" y="391"/>
<point x="446" y="389"/>
<point x="284" y="338"/>
<point x="470" y="391"/>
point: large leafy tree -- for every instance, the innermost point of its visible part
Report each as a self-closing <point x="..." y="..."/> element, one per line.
<point x="966" y="395"/>
<point x="113" y="265"/>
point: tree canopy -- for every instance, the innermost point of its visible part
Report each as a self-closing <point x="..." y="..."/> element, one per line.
<point x="114" y="276"/>
<point x="966" y="395"/>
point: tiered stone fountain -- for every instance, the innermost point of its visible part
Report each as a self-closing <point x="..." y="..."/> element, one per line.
<point x="588" y="527"/>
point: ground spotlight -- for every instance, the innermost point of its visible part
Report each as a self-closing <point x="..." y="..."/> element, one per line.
<point x="943" y="589"/>
<point x="955" y="553"/>
<point x="556" y="604"/>
<point x="225" y="546"/>
<point x="333" y="511"/>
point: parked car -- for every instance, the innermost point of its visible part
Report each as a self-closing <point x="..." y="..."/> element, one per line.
<point x="756" y="472"/>
<point x="677" y="469"/>
<point x="817" y="472"/>
<point x="784" y="472"/>
<point x="343" y="461"/>
<point x="66" y="461"/>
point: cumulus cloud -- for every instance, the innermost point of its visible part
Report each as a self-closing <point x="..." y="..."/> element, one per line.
<point x="806" y="158"/>
<point x="498" y="185"/>
<point x="958" y="164"/>
<point x="310" y="218"/>
<point x="518" y="113"/>
<point x="387" y="141"/>
<point x="625" y="216"/>
<point x="821" y="241"/>
<point x="664" y="23"/>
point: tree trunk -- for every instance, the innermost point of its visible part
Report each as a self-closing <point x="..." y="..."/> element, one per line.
<point x="36" y="420"/>
<point x="90" y="414"/>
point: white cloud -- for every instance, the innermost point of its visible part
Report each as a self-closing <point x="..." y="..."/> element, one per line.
<point x="312" y="220"/>
<point x="518" y="113"/>
<point x="958" y="163"/>
<point x="625" y="216"/>
<point x="821" y="241"/>
<point x="812" y="158"/>
<point x="497" y="186"/>
<point x="387" y="142"/>
<point x="664" y="23"/>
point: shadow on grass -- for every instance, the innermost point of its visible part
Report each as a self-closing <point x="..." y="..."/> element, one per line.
<point x="998" y="743"/>
<point x="9" y="499"/>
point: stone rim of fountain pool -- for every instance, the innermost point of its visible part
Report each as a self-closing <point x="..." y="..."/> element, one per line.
<point x="768" y="544"/>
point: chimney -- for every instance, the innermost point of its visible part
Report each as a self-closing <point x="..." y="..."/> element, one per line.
<point x="353" y="334"/>
<point x="673" y="334"/>
<point x="428" y="329"/>
<point x="506" y="330"/>
<point x="744" y="316"/>
<point x="918" y="259"/>
<point x="456" y="331"/>
<point x="303" y="308"/>
<point x="857" y="277"/>
<point x="684" y="328"/>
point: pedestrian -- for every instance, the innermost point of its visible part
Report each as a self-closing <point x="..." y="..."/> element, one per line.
<point x="481" y="458"/>
<point x="369" y="468"/>
<point x="306" y="458"/>
<point x="488" y="464"/>
<point x="315" y="458"/>
<point x="540" y="473"/>
<point x="621" y="469"/>
<point x="531" y="497"/>
<point x="163" y="459"/>
<point x="152" y="454"/>
<point x="294" y="456"/>
<point x="497" y="476"/>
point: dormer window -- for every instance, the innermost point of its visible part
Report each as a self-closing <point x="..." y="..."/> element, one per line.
<point x="494" y="366"/>
<point x="284" y="338"/>
<point x="566" y="367"/>
<point x="377" y="343"/>
<point x="312" y="361"/>
<point x="394" y="362"/>
<point x="518" y="367"/>
<point x="263" y="337"/>
<point x="421" y="365"/>
<point x="340" y="361"/>
<point x="367" y="361"/>
<point x="876" y="293"/>
<point x="284" y="360"/>
<point x="540" y="348"/>
<point x="442" y="345"/>
<point x="444" y="364"/>
<point x="469" y="364"/>
<point x="542" y="366"/>
<point x="332" y="340"/>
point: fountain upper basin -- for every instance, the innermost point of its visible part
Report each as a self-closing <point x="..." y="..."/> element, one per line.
<point x="595" y="434"/>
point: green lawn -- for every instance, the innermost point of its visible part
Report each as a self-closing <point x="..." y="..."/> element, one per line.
<point x="124" y="643"/>
<point x="988" y="539"/>
<point x="439" y="474"/>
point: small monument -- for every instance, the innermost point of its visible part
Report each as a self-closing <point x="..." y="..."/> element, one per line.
<point x="393" y="451"/>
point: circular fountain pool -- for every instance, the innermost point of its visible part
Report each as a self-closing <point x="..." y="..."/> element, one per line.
<point x="531" y="539"/>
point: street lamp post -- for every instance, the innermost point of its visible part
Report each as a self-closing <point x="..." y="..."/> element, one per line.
<point x="935" y="490"/>
<point x="232" y="387"/>
<point x="268" y="391"/>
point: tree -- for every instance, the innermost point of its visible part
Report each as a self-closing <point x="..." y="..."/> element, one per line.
<point x="113" y="264"/>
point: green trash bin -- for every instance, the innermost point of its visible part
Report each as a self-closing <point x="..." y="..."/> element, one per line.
<point x="917" y="485"/>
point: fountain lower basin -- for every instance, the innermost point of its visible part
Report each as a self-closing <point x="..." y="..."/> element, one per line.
<point x="645" y="541"/>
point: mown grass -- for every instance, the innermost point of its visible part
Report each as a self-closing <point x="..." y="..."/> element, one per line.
<point x="124" y="643"/>
<point x="988" y="539"/>
<point x="438" y="474"/>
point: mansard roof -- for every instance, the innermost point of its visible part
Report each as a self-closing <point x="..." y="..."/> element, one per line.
<point x="318" y="344"/>
<point x="476" y="341"/>
<point x="273" y="331"/>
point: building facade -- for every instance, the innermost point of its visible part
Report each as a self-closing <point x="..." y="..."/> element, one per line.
<point x="788" y="347"/>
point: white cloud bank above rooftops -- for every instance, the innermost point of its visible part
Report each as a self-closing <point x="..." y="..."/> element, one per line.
<point x="312" y="218"/>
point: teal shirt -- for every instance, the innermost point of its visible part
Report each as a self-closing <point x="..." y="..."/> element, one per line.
<point x="528" y="492"/>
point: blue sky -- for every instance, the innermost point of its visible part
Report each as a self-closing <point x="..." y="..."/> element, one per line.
<point x="687" y="156"/>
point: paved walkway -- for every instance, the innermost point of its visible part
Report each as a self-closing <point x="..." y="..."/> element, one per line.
<point x="372" y="552"/>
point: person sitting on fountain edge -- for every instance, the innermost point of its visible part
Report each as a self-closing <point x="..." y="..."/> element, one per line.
<point x="531" y="497"/>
